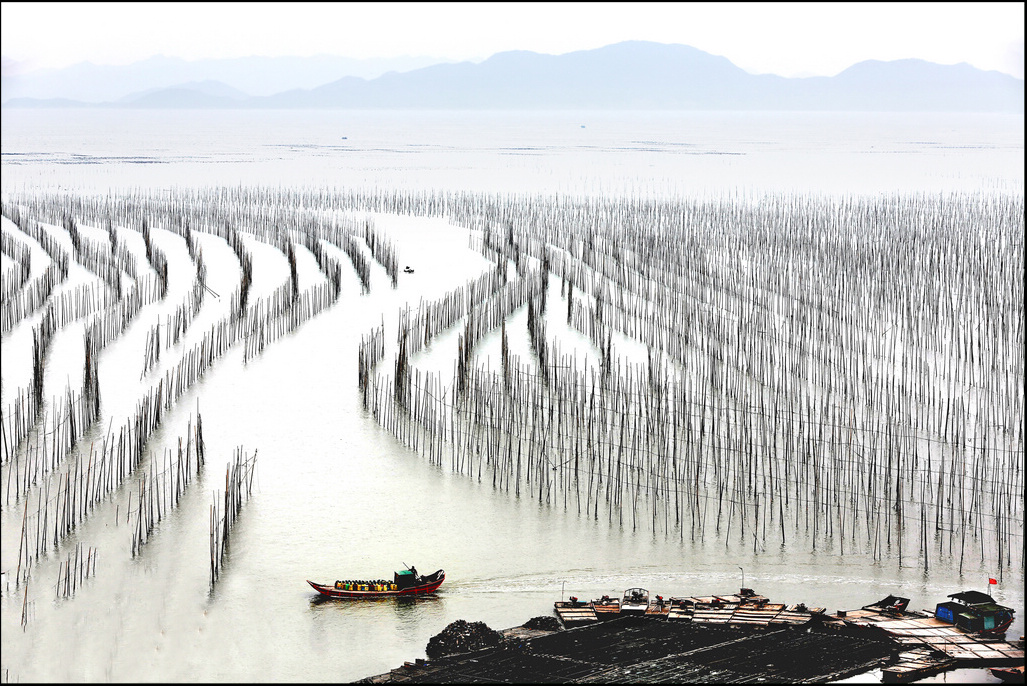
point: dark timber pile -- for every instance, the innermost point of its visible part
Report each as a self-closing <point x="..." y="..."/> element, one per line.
<point x="543" y="623"/>
<point x="462" y="637"/>
<point x="643" y="650"/>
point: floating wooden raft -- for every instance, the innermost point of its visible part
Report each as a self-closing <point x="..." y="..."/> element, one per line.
<point x="706" y="599"/>
<point x="915" y="629"/>
<point x="916" y="664"/>
<point x="575" y="614"/>
<point x="708" y="613"/>
<point x="658" y="609"/>
<point x="608" y="610"/>
<point x="680" y="609"/>
<point x="757" y="614"/>
<point x="793" y="615"/>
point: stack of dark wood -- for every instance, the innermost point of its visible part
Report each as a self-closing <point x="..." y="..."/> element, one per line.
<point x="462" y="637"/>
<point x="543" y="623"/>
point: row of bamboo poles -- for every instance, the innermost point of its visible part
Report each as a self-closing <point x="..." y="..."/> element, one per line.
<point x="67" y="499"/>
<point x="264" y="324"/>
<point x="21" y="255"/>
<point x="69" y="421"/>
<point x="780" y="390"/>
<point x="226" y="507"/>
<point x="383" y="251"/>
<point x="842" y="372"/>
<point x="177" y="323"/>
<point x="79" y="566"/>
<point x="160" y="492"/>
<point x="69" y="306"/>
<point x="84" y="482"/>
<point x="30" y="298"/>
<point x="18" y="422"/>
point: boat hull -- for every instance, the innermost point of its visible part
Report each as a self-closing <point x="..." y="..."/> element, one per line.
<point x="330" y="591"/>
<point x="1010" y="675"/>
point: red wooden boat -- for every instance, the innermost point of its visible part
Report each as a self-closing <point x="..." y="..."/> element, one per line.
<point x="405" y="583"/>
<point x="1010" y="675"/>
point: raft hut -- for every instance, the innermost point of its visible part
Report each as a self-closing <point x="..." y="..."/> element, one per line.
<point x="974" y="611"/>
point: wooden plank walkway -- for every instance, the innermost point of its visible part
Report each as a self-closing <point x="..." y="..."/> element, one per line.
<point x="575" y="614"/>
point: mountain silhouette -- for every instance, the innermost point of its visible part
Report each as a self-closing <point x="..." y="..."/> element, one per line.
<point x="633" y="75"/>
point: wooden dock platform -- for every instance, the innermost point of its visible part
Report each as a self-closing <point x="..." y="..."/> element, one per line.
<point x="725" y="609"/>
<point x="930" y="645"/>
<point x="920" y="630"/>
<point x="680" y="610"/>
<point x="575" y="613"/>
<point x="915" y="664"/>
<point x="713" y="639"/>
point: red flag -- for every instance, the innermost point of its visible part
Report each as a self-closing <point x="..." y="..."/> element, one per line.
<point x="991" y="581"/>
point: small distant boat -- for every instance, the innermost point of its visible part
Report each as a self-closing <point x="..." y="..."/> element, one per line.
<point x="635" y="601"/>
<point x="405" y="583"/>
<point x="408" y="270"/>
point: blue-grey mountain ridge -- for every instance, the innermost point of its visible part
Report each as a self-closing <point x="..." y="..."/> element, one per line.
<point x="633" y="75"/>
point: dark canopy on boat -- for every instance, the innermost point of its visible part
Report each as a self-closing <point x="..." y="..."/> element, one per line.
<point x="892" y="602"/>
<point x="973" y="597"/>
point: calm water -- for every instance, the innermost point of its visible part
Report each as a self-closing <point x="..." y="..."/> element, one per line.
<point x="572" y="152"/>
<point x="336" y="496"/>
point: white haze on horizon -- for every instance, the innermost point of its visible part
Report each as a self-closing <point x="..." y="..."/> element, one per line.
<point x="788" y="39"/>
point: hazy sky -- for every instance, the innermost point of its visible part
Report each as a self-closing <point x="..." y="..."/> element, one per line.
<point x="781" y="38"/>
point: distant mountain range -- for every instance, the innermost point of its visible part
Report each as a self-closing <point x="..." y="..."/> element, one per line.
<point x="253" y="76"/>
<point x="631" y="75"/>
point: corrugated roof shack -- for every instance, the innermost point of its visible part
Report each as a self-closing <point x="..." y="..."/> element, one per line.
<point x="652" y="650"/>
<point x="974" y="611"/>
